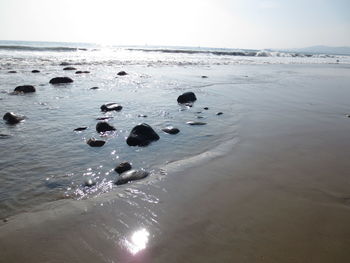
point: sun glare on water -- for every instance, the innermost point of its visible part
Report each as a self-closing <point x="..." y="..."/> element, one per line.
<point x="137" y="242"/>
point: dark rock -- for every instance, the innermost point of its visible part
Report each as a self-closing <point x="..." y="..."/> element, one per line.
<point x="206" y="108"/>
<point x="142" y="135"/>
<point x="104" y="118"/>
<point x="82" y="71"/>
<point x="194" y="123"/>
<point x="80" y="128"/>
<point x="94" y="88"/>
<point x="142" y="116"/>
<point x="12" y="71"/>
<point x="204" y="77"/>
<point x="95" y="143"/>
<point x="12" y="118"/>
<point x="122" y="73"/>
<point x="89" y="183"/>
<point x="219" y="113"/>
<point x="25" y="89"/>
<point x="111" y="107"/>
<point x="69" y="68"/>
<point x="171" y="130"/>
<point x="65" y="64"/>
<point x="4" y="136"/>
<point x="35" y="71"/>
<point x="131" y="175"/>
<point x="123" y="167"/>
<point x="61" y="80"/>
<point x="187" y="97"/>
<point x="104" y="127"/>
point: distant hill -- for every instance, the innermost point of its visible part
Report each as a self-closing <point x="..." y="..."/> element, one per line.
<point x="323" y="50"/>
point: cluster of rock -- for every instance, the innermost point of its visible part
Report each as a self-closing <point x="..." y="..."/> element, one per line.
<point x="141" y="135"/>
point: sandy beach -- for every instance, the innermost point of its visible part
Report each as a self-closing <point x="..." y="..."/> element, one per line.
<point x="279" y="194"/>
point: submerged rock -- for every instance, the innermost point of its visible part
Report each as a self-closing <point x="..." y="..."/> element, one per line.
<point x="80" y="128"/>
<point x="12" y="118"/>
<point x="35" y="71"/>
<point x="204" y="77"/>
<point x="131" y="175"/>
<point x="111" y="107"/>
<point x="65" y="64"/>
<point x="206" y="108"/>
<point x="4" y="136"/>
<point x="82" y="71"/>
<point x="122" y="73"/>
<point x="95" y="143"/>
<point x="89" y="183"/>
<point x="61" y="80"/>
<point x="12" y="71"/>
<point x="194" y="123"/>
<point x="142" y="135"/>
<point x="69" y="68"/>
<point x="104" y="118"/>
<point x="104" y="127"/>
<point x="219" y="113"/>
<point x="94" y="88"/>
<point x="123" y="167"/>
<point x="25" y="89"/>
<point x="171" y="130"/>
<point x="187" y="97"/>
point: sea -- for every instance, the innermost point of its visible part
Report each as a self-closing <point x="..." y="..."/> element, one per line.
<point x="42" y="159"/>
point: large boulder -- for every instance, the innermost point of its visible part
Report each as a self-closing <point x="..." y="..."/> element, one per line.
<point x="111" y="107"/>
<point x="187" y="97"/>
<point x="61" y="80"/>
<point x="12" y="118"/>
<point x="25" y="89"/>
<point x="142" y="135"/>
<point x="131" y="175"/>
<point x="123" y="167"/>
<point x="103" y="126"/>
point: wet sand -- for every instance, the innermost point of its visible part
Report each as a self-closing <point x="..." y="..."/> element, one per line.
<point x="281" y="194"/>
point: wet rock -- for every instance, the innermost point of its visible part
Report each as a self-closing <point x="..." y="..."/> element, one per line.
<point x="12" y="118"/>
<point x="122" y="73"/>
<point x="131" y="175"/>
<point x="25" y="89"/>
<point x="35" y="71"/>
<point x="80" y="128"/>
<point x="206" y="108"/>
<point x="123" y="167"/>
<point x="69" y="68"/>
<point x="95" y="143"/>
<point x="65" y="64"/>
<point x="12" y="71"/>
<point x="196" y="123"/>
<point x="104" y="118"/>
<point x="82" y="71"/>
<point x="89" y="183"/>
<point x="171" y="130"/>
<point x="94" y="88"/>
<point x="61" y="80"/>
<point x="219" y="113"/>
<point x="111" y="107"/>
<point x="142" y="116"/>
<point x="187" y="97"/>
<point x="4" y="136"/>
<point x="104" y="127"/>
<point x="142" y="135"/>
<point x="204" y="77"/>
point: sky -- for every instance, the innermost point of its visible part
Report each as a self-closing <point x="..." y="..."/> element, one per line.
<point x="206" y="23"/>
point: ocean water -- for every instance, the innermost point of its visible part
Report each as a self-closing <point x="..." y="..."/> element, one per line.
<point x="42" y="159"/>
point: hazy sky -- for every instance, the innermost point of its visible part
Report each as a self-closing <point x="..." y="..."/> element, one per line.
<point x="211" y="23"/>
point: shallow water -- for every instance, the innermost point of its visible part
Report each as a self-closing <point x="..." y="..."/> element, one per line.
<point x="43" y="159"/>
